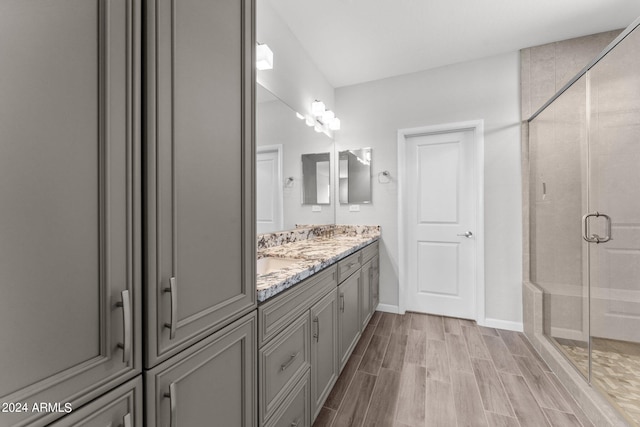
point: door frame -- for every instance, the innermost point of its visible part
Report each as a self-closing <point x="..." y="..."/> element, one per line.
<point x="477" y="126"/>
<point x="278" y="149"/>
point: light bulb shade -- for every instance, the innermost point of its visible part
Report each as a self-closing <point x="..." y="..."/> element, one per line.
<point x="310" y="121"/>
<point x="264" y="57"/>
<point x="334" y="124"/>
<point x="317" y="108"/>
<point x="317" y="128"/>
<point x="328" y="116"/>
<point x="300" y="116"/>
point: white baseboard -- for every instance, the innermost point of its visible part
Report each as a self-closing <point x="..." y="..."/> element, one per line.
<point x="502" y="324"/>
<point x="388" y="308"/>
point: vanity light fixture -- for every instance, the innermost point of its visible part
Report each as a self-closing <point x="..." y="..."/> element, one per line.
<point x="317" y="108"/>
<point x="264" y="57"/>
<point x="300" y="116"/>
<point x="326" y="118"/>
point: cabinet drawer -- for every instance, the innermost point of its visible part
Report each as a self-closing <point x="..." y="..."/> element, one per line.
<point x="211" y="383"/>
<point x="369" y="252"/>
<point x="274" y="315"/>
<point x="294" y="411"/>
<point x="281" y="364"/>
<point x="348" y="266"/>
<point x="122" y="406"/>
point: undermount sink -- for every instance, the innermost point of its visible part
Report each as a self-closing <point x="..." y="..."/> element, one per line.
<point x="271" y="264"/>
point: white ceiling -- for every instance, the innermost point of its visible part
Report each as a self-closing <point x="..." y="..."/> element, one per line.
<point x="354" y="41"/>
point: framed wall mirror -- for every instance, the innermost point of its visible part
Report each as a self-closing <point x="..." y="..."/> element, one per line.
<point x="354" y="175"/>
<point x="316" y="181"/>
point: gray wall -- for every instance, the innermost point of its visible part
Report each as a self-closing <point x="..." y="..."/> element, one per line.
<point x="485" y="89"/>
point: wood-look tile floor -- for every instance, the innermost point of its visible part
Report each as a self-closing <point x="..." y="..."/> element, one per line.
<point x="421" y="370"/>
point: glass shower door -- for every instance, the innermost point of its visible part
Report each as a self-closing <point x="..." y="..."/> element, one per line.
<point x="558" y="189"/>
<point x="614" y="190"/>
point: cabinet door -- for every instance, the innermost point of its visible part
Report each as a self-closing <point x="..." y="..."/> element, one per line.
<point x="348" y="316"/>
<point x="366" y="295"/>
<point x="375" y="284"/>
<point x="201" y="246"/>
<point x="70" y="216"/>
<point x="120" y="407"/>
<point x="324" y="350"/>
<point x="213" y="383"/>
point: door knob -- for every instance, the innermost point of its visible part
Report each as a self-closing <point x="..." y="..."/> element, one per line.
<point x="467" y="234"/>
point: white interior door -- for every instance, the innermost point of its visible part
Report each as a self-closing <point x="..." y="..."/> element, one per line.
<point x="269" y="197"/>
<point x="441" y="204"/>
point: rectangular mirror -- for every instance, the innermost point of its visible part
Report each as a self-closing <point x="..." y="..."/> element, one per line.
<point x="281" y="140"/>
<point x="355" y="176"/>
<point x="316" y="187"/>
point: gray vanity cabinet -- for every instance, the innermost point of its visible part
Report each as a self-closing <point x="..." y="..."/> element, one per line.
<point x="375" y="283"/>
<point x="349" y="324"/>
<point x="366" y="297"/>
<point x="324" y="350"/>
<point x="120" y="407"/>
<point x="70" y="216"/>
<point x="369" y="298"/>
<point x="200" y="222"/>
<point x="212" y="383"/>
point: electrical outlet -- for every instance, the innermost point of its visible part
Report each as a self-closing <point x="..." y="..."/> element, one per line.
<point x="354" y="208"/>
<point x="316" y="208"/>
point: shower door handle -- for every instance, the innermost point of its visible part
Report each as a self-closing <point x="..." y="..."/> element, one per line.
<point x="594" y="238"/>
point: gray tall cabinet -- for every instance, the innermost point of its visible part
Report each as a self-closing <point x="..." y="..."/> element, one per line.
<point x="126" y="214"/>
<point x="70" y="164"/>
<point x="200" y="245"/>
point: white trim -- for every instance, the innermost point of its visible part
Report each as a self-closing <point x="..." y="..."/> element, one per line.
<point x="477" y="126"/>
<point x="502" y="324"/>
<point x="388" y="308"/>
<point x="279" y="150"/>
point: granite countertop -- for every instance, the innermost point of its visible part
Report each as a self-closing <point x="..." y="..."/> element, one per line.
<point x="314" y="255"/>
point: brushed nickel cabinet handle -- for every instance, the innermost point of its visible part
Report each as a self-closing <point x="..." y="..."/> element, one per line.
<point x="342" y="302"/>
<point x="172" y="289"/>
<point x="127" y="421"/>
<point x="288" y="363"/>
<point x="125" y="304"/>
<point x="173" y="402"/>
<point x="317" y="334"/>
<point x="295" y="423"/>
